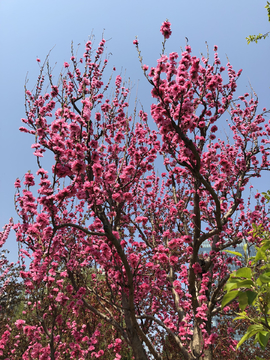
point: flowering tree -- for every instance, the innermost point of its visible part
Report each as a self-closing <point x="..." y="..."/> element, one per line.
<point x="5" y="271"/>
<point x="25" y="335"/>
<point x="103" y="205"/>
<point x="11" y="289"/>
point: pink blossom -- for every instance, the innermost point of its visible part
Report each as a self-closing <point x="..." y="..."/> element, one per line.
<point x="29" y="179"/>
<point x="86" y="113"/>
<point x="173" y="260"/>
<point x="17" y="183"/>
<point x="78" y="167"/>
<point x="97" y="169"/>
<point x="212" y="338"/>
<point x="166" y="29"/>
<point x="19" y="323"/>
<point x="62" y="298"/>
<point x="197" y="268"/>
<point x="163" y="258"/>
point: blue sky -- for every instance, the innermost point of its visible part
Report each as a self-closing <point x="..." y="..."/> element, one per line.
<point x="31" y="28"/>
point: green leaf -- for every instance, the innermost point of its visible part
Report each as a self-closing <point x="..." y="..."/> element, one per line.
<point x="244" y="338"/>
<point x="258" y="282"/>
<point x="245" y="284"/>
<point x="264" y="324"/>
<point x="251" y="331"/>
<point x="264" y="278"/>
<point x="243" y="315"/>
<point x="267" y="196"/>
<point x="231" y="283"/>
<point x="229" y="297"/>
<point x="246" y="298"/>
<point x="267" y="7"/>
<point x="263" y="338"/>
<point x="244" y="272"/>
<point x="251" y="295"/>
<point x="260" y="255"/>
<point x="238" y="283"/>
<point x="257" y="327"/>
<point x="234" y="252"/>
<point x="243" y="300"/>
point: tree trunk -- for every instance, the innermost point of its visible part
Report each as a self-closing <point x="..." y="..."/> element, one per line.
<point x="208" y="353"/>
<point x="135" y="342"/>
<point x="197" y="345"/>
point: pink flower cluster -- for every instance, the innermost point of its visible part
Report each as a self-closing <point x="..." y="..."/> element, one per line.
<point x="166" y="29"/>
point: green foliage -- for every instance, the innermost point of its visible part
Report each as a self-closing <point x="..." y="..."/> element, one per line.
<point x="268" y="10"/>
<point x="267" y="195"/>
<point x="251" y="286"/>
<point x="233" y="252"/>
<point x="255" y="38"/>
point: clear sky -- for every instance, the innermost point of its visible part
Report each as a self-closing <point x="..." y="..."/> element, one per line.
<point x="31" y="28"/>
